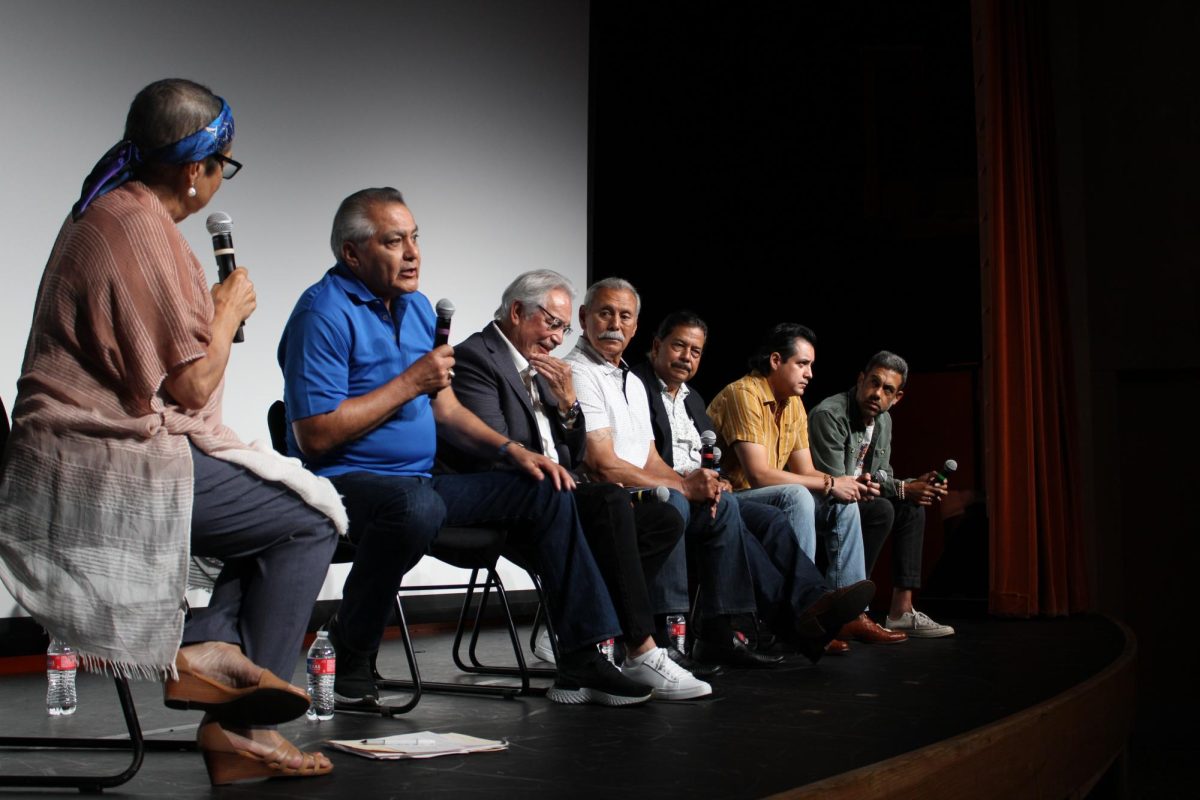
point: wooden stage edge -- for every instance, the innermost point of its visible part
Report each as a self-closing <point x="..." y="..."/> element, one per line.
<point x="1058" y="748"/>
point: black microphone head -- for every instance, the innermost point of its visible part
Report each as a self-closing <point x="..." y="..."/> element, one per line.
<point x="219" y="222"/>
<point x="950" y="466"/>
<point x="444" y="307"/>
<point x="708" y="438"/>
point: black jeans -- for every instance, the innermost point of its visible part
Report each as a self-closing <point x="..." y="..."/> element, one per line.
<point x="906" y="523"/>
<point x="630" y="543"/>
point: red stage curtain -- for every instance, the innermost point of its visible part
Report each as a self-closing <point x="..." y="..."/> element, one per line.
<point x="1036" y="547"/>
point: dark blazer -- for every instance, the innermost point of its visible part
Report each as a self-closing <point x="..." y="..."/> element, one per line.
<point x="694" y="405"/>
<point x="487" y="382"/>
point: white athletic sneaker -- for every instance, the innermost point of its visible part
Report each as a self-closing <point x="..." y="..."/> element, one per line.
<point x="918" y="625"/>
<point x="542" y="648"/>
<point x="668" y="680"/>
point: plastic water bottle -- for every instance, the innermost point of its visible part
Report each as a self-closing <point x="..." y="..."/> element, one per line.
<point x="322" y="668"/>
<point x="61" y="664"/>
<point x="677" y="631"/>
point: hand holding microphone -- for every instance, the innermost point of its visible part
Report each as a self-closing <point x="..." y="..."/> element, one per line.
<point x="943" y="475"/>
<point x="441" y="333"/>
<point x="220" y="226"/>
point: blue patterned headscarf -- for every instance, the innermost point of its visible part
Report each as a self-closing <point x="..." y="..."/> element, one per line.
<point x="116" y="166"/>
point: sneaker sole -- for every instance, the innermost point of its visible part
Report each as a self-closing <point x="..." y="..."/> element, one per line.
<point x="586" y="694"/>
<point x="544" y="655"/>
<point x="912" y="634"/>
<point x="683" y="694"/>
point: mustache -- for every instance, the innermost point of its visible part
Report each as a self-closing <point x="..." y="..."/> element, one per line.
<point x="680" y="365"/>
<point x="616" y="336"/>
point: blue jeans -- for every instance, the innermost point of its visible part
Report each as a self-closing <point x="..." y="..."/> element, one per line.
<point x="837" y="523"/>
<point x="394" y="520"/>
<point x="717" y="547"/>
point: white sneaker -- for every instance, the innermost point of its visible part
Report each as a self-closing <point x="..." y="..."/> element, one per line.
<point x="668" y="680"/>
<point x="918" y="625"/>
<point x="542" y="648"/>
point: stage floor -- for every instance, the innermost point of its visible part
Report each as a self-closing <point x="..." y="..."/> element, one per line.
<point x="761" y="733"/>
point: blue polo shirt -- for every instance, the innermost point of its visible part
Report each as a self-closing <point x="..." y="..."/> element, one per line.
<point x="342" y="342"/>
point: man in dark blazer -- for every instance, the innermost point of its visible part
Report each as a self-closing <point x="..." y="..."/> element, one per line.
<point x="783" y="575"/>
<point x="508" y="377"/>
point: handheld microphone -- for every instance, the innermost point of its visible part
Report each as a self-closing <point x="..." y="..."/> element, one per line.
<point x="879" y="477"/>
<point x="441" y="329"/>
<point x="708" y="440"/>
<point x="649" y="495"/>
<point x="220" y="225"/>
<point x="943" y="474"/>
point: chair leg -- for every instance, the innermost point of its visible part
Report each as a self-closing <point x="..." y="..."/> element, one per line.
<point x="414" y="685"/>
<point x="419" y="684"/>
<point x="136" y="744"/>
<point x="522" y="670"/>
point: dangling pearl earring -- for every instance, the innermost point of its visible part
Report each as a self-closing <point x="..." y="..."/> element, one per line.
<point x="191" y="191"/>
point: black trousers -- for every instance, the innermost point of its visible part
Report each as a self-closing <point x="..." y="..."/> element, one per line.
<point x="906" y="523"/>
<point x="630" y="543"/>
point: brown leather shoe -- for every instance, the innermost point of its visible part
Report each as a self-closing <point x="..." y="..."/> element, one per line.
<point x="864" y="629"/>
<point x="269" y="702"/>
<point x="836" y="647"/>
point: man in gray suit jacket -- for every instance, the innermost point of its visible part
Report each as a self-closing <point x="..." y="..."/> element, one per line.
<point x="508" y="377"/>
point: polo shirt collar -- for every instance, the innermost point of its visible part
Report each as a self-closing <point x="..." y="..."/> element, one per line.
<point x="351" y="285"/>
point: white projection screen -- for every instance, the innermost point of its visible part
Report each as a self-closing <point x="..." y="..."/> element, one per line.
<point x="476" y="110"/>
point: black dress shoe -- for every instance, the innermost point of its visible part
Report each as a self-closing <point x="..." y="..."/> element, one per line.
<point x="732" y="652"/>
<point x="696" y="668"/>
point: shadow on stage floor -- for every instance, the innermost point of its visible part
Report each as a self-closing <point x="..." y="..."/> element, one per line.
<point x="762" y="733"/>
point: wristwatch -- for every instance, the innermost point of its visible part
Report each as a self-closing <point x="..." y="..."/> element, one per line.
<point x="571" y="415"/>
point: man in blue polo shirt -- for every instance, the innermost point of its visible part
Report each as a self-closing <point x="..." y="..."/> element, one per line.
<point x="367" y="394"/>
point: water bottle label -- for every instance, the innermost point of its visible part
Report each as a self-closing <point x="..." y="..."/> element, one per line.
<point x="322" y="666"/>
<point x="676" y="629"/>
<point x="63" y="662"/>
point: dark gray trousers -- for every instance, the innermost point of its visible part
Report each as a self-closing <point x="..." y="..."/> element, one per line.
<point x="276" y="551"/>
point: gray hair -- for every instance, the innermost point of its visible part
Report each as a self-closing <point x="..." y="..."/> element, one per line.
<point x="612" y="284"/>
<point x="530" y="290"/>
<point x="889" y="361"/>
<point x="165" y="112"/>
<point x="351" y="223"/>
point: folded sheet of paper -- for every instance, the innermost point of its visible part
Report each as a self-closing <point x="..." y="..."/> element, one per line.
<point x="424" y="744"/>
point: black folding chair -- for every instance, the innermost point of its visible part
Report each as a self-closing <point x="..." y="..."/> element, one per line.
<point x="473" y="548"/>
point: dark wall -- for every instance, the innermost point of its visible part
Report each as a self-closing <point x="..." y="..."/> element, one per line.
<point x="812" y="164"/>
<point x="1128" y="122"/>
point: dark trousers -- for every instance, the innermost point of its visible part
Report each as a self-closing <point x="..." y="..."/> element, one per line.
<point x="276" y="551"/>
<point x="786" y="582"/>
<point x="906" y="524"/>
<point x="394" y="520"/>
<point x="631" y="543"/>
